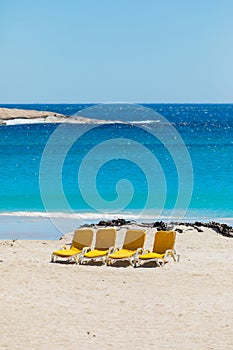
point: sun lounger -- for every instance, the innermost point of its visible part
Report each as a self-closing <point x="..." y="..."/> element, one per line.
<point x="81" y="242"/>
<point x="105" y="242"/>
<point x="163" y="248"/>
<point x="132" y="246"/>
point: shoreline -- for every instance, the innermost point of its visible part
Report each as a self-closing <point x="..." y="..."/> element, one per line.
<point x="43" y="226"/>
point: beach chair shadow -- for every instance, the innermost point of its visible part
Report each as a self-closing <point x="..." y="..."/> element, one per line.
<point x="163" y="249"/>
<point x="81" y="242"/>
<point x="132" y="246"/>
<point x="104" y="245"/>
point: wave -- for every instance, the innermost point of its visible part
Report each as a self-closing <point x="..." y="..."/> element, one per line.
<point x="144" y="121"/>
<point x="192" y="215"/>
<point x="80" y="216"/>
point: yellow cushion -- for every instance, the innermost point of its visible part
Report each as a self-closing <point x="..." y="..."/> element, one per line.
<point x="67" y="252"/>
<point x="96" y="253"/>
<point x="151" y="256"/>
<point x="122" y="254"/>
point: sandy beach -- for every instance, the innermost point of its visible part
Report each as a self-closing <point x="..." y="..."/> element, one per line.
<point x="185" y="305"/>
<point x="116" y="114"/>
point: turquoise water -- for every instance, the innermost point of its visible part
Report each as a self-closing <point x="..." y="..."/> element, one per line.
<point x="207" y="131"/>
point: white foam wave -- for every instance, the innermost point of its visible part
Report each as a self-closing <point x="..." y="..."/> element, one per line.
<point x="144" y="121"/>
<point x="80" y="216"/>
<point x="88" y="216"/>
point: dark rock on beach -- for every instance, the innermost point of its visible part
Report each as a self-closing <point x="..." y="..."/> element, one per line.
<point x="222" y="229"/>
<point x="117" y="222"/>
<point x="160" y="225"/>
<point x="179" y="230"/>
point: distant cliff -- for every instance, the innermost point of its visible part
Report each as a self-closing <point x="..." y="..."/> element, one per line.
<point x="12" y="116"/>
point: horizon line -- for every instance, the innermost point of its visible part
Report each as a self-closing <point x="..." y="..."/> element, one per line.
<point x="111" y="102"/>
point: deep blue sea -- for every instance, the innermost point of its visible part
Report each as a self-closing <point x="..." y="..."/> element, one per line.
<point x="80" y="168"/>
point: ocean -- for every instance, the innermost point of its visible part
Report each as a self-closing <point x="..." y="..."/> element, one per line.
<point x="158" y="161"/>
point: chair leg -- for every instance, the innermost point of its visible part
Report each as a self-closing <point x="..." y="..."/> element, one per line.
<point x="131" y="261"/>
<point x="108" y="262"/>
<point x="162" y="263"/>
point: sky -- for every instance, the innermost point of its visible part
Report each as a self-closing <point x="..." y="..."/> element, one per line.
<point x="79" y="51"/>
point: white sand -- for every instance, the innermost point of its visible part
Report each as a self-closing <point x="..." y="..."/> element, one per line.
<point x="185" y="305"/>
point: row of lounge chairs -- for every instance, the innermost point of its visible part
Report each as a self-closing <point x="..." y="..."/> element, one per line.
<point x="105" y="251"/>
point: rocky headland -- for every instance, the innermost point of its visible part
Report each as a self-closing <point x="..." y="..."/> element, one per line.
<point x="12" y="116"/>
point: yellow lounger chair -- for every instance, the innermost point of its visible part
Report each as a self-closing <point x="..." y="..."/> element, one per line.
<point x="132" y="246"/>
<point x="163" y="248"/>
<point x="104" y="245"/>
<point x="81" y="242"/>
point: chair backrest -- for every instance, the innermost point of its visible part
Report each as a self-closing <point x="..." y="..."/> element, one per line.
<point x="134" y="239"/>
<point x="163" y="241"/>
<point x="82" y="238"/>
<point x="105" y="238"/>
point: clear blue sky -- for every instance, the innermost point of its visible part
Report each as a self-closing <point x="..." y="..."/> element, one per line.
<point x="116" y="50"/>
